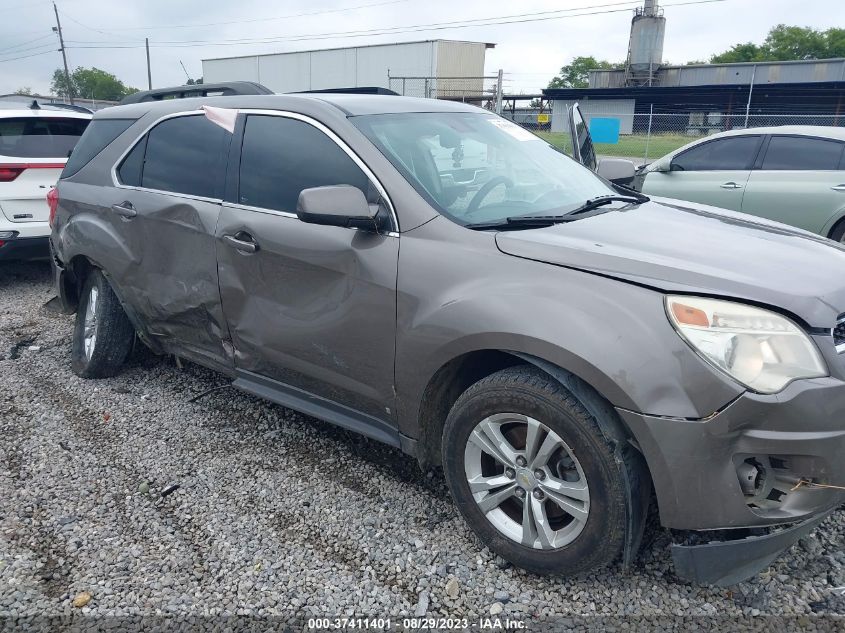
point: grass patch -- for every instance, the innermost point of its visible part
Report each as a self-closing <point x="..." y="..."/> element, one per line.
<point x="629" y="146"/>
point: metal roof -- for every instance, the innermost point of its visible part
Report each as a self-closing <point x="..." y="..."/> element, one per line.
<point x="340" y="48"/>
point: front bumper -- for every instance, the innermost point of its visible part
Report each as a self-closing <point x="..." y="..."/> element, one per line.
<point x="696" y="466"/>
<point x="726" y="563"/>
<point x="796" y="434"/>
<point x="18" y="248"/>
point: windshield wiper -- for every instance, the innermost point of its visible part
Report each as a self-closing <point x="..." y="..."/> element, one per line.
<point x="594" y="203"/>
<point x="533" y="221"/>
<point x="589" y="209"/>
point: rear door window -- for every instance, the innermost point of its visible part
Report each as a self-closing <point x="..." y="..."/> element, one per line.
<point x="724" y="154"/>
<point x="40" y="137"/>
<point x="97" y="136"/>
<point x="281" y="157"/>
<point x="186" y="155"/>
<point x="802" y="153"/>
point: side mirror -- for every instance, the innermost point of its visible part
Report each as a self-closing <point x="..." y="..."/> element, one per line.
<point x="617" y="170"/>
<point x="338" y="205"/>
<point x="661" y="166"/>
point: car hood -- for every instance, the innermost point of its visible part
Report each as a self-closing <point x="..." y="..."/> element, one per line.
<point x="677" y="246"/>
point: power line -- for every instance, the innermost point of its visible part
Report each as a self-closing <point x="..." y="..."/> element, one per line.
<point x="45" y="47"/>
<point x="27" y="56"/>
<point x="630" y="4"/>
<point x="249" y="21"/>
<point x="396" y="30"/>
<point x="37" y="39"/>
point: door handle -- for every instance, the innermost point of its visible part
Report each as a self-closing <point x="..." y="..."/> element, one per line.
<point x="730" y="185"/>
<point x="124" y="209"/>
<point x="242" y="241"/>
<point x="839" y="188"/>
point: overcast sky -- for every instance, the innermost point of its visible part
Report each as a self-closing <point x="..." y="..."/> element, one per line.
<point x="529" y="52"/>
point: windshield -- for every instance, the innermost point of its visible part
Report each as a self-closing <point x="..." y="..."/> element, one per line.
<point x="478" y="167"/>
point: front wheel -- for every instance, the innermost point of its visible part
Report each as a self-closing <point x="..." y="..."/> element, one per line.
<point x="103" y="335"/>
<point x="533" y="475"/>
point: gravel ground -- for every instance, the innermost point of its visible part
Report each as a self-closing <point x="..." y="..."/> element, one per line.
<point x="275" y="513"/>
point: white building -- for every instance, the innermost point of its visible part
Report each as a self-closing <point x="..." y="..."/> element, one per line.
<point x="356" y="66"/>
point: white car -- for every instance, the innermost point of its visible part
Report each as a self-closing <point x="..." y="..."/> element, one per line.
<point x="34" y="146"/>
<point x="793" y="174"/>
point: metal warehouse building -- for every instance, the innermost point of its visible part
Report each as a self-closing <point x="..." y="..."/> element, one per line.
<point x="814" y="89"/>
<point x="353" y="67"/>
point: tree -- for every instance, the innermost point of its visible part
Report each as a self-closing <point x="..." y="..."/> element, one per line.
<point x="576" y="73"/>
<point x="24" y="90"/>
<point x="90" y="83"/>
<point x="785" y="43"/>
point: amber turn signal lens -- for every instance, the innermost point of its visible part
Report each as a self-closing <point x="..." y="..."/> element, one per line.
<point x="687" y="315"/>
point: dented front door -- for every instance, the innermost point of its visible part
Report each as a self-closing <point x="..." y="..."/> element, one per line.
<point x="312" y="307"/>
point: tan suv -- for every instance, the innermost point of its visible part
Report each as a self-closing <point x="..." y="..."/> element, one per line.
<point x="436" y="278"/>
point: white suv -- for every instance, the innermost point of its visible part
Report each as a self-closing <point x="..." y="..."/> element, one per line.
<point x="34" y="146"/>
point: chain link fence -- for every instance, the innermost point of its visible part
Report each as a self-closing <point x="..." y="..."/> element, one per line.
<point x="643" y="136"/>
<point x="646" y="137"/>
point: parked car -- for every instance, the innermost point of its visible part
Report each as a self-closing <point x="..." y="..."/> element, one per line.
<point x="793" y="174"/>
<point x="557" y="344"/>
<point x="34" y="145"/>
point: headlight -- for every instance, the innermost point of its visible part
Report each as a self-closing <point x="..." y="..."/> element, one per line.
<point x="759" y="348"/>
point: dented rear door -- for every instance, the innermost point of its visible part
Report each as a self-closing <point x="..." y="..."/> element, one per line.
<point x="165" y="209"/>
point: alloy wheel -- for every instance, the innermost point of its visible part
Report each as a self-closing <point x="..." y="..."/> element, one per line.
<point x="90" y="330"/>
<point x="526" y="481"/>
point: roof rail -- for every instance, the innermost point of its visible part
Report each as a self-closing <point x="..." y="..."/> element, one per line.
<point x="75" y="108"/>
<point x="226" y="89"/>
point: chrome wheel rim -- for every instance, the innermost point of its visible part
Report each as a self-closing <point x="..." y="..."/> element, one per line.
<point x="90" y="324"/>
<point x="527" y="481"/>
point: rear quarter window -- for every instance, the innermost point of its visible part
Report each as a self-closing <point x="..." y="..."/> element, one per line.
<point x="40" y="137"/>
<point x="99" y="134"/>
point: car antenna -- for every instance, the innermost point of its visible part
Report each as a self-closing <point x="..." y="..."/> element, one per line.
<point x="34" y="105"/>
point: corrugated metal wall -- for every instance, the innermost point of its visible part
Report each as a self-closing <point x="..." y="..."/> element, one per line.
<point x="823" y="70"/>
<point x="351" y="67"/>
<point x="459" y="59"/>
<point x="622" y="109"/>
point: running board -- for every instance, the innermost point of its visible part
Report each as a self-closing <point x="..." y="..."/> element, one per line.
<point x="315" y="406"/>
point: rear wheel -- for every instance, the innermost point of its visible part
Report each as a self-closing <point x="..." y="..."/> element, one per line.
<point x="533" y="474"/>
<point x="102" y="336"/>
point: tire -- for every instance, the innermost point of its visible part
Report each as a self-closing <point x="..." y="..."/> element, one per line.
<point x="837" y="234"/>
<point x="112" y="330"/>
<point x="504" y="400"/>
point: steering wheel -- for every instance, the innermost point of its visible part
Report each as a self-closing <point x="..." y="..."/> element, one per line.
<point x="485" y="190"/>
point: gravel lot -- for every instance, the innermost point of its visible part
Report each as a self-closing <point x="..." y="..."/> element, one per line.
<point x="275" y="513"/>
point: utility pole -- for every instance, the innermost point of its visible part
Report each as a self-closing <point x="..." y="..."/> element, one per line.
<point x="750" y="90"/>
<point x="58" y="29"/>
<point x="149" y="74"/>
<point x="499" y="93"/>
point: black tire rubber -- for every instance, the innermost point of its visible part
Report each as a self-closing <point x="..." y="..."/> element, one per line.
<point x="838" y="231"/>
<point x="114" y="332"/>
<point x="529" y="391"/>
